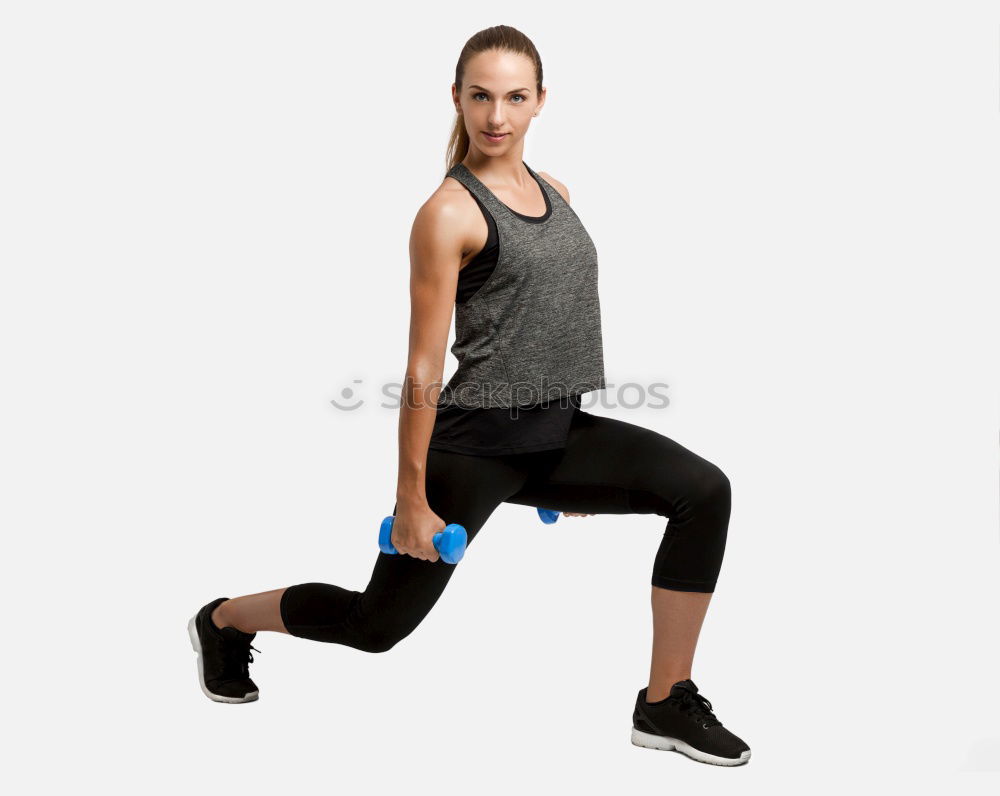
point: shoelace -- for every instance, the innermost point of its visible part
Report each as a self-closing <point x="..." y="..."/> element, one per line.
<point x="699" y="709"/>
<point x="237" y="660"/>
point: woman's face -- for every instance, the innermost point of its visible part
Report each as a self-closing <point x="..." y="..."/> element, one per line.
<point x="499" y="96"/>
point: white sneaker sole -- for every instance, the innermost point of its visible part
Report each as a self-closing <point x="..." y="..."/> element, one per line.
<point x="649" y="741"/>
<point x="196" y="643"/>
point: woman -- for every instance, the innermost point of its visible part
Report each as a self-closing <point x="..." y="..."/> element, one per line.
<point x="501" y="244"/>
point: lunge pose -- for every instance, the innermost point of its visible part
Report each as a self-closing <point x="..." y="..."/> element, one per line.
<point x="499" y="243"/>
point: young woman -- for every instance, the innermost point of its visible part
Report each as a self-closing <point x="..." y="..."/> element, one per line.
<point x="500" y="243"/>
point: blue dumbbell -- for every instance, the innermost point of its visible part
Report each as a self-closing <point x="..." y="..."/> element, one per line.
<point x="450" y="543"/>
<point x="548" y="516"/>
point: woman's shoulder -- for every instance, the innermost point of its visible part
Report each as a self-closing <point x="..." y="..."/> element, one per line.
<point x="449" y="202"/>
<point x="448" y="213"/>
<point x="563" y="190"/>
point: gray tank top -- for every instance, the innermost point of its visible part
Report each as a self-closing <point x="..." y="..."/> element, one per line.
<point x="532" y="331"/>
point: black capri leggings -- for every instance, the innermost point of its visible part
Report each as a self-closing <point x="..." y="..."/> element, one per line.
<point x="607" y="467"/>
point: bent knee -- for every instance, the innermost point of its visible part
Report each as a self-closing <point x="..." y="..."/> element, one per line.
<point x="721" y="485"/>
<point x="383" y="640"/>
<point x="712" y="486"/>
<point x="379" y="642"/>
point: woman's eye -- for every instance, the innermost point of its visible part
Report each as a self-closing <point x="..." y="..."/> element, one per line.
<point x="479" y="94"/>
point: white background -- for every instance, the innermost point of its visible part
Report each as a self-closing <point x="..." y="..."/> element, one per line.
<point x="205" y="214"/>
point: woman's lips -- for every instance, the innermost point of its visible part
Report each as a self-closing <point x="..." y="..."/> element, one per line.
<point x="495" y="138"/>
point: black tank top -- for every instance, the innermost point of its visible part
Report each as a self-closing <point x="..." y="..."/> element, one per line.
<point x="500" y="430"/>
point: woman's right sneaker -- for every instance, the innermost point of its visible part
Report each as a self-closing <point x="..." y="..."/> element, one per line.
<point x="223" y="657"/>
<point x="684" y="721"/>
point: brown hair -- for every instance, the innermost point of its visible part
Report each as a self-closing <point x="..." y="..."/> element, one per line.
<point x="500" y="37"/>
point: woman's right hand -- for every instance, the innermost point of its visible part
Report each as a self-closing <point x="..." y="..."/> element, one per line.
<point x="413" y="531"/>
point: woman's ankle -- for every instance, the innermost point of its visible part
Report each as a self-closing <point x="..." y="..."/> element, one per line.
<point x="218" y="617"/>
<point x="660" y="687"/>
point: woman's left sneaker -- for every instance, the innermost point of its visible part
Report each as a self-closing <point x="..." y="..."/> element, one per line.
<point x="684" y="722"/>
<point x="224" y="657"/>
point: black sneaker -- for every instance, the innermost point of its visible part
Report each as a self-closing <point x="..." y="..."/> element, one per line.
<point x="223" y="657"/>
<point x="684" y="721"/>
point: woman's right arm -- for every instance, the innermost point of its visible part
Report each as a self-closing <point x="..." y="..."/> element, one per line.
<point x="436" y="249"/>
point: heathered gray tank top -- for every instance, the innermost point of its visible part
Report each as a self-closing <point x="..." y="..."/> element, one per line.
<point x="532" y="331"/>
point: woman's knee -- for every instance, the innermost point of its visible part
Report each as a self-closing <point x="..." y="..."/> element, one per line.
<point x="366" y="636"/>
<point x="382" y="638"/>
<point x="378" y="642"/>
<point x="711" y="497"/>
<point x="693" y="547"/>
<point x="380" y="626"/>
<point x="712" y="485"/>
<point x="705" y="495"/>
<point x="363" y="620"/>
